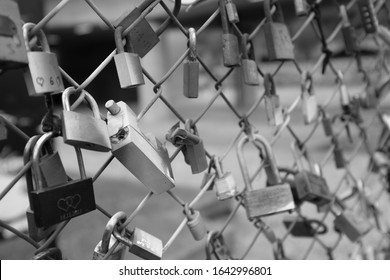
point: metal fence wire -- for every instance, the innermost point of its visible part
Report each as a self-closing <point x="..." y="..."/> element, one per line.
<point x="353" y="208"/>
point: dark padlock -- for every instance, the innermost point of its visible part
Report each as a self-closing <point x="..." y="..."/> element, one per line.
<point x="277" y="36"/>
<point x="108" y="240"/>
<point x="12" y="48"/>
<point x="351" y="224"/>
<point x="224" y="182"/>
<point x="191" y="68"/>
<point x="128" y="64"/>
<point x="82" y="130"/>
<point x="42" y="76"/>
<point x="327" y="123"/>
<point x="230" y="48"/>
<point x="368" y="16"/>
<point x="195" y="223"/>
<point x="309" y="101"/>
<point x="147" y="162"/>
<point x="300" y="7"/>
<point x="231" y="10"/>
<point x="273" y="107"/>
<point x="302" y="227"/>
<point x="348" y="31"/>
<point x="62" y="202"/>
<point x="248" y="63"/>
<point x="338" y="154"/>
<point x="273" y="199"/>
<point x="3" y="130"/>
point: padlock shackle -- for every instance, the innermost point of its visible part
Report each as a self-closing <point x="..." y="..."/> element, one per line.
<point x="87" y="96"/>
<point x="27" y="27"/>
<point x="278" y="14"/>
<point x="118" y="36"/>
<point x="192" y="43"/>
<point x="27" y="156"/>
<point x="218" y="167"/>
<point x="115" y="220"/>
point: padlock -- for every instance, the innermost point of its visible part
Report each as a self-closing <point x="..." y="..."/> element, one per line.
<point x="195" y="223"/>
<point x="230" y="48"/>
<point x="144" y="38"/>
<point x="351" y="224"/>
<point x="82" y="130"/>
<point x="273" y="107"/>
<point x="43" y="74"/>
<point x="61" y="202"/>
<point x="368" y="16"/>
<point x="224" y="182"/>
<point x="3" y="130"/>
<point x="277" y="36"/>
<point x="231" y="10"/>
<point x="191" y="68"/>
<point x="309" y="101"/>
<point x="248" y="63"/>
<point x="128" y="64"/>
<point x="300" y="7"/>
<point x="327" y="123"/>
<point x="348" y="32"/>
<point x="302" y="227"/>
<point x="141" y="244"/>
<point x="12" y="48"/>
<point x="109" y="240"/>
<point x="273" y="199"/>
<point x="148" y="163"/>
<point x="338" y="154"/>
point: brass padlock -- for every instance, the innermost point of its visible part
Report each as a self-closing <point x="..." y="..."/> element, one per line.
<point x="82" y="130"/>
<point x="61" y="202"/>
<point x="224" y="182"/>
<point x="327" y="123"/>
<point x="128" y="64"/>
<point x="12" y="48"/>
<point x="148" y="163"/>
<point x="195" y="223"/>
<point x="277" y="36"/>
<point x="43" y="74"/>
<point x="273" y="199"/>
<point x="273" y="107"/>
<point x="248" y="63"/>
<point x="309" y="101"/>
<point x="191" y="68"/>
<point x="368" y="16"/>
<point x="300" y="7"/>
<point x="348" y="31"/>
<point x="351" y="224"/>
<point x="231" y="10"/>
<point x="302" y="227"/>
<point x="109" y="240"/>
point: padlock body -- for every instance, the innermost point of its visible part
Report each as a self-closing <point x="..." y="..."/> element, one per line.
<point x="268" y="201"/>
<point x="300" y="7"/>
<point x="85" y="131"/>
<point x="352" y="226"/>
<point x="273" y="110"/>
<point x="117" y="254"/>
<point x="145" y="245"/>
<point x="12" y="47"/>
<point x="230" y="50"/>
<point x="43" y="74"/>
<point x="249" y="72"/>
<point x="327" y="126"/>
<point x="225" y="186"/>
<point x="368" y="16"/>
<point x="52" y="170"/>
<point x="37" y="233"/>
<point x="309" y="108"/>
<point x="231" y="11"/>
<point x="279" y="43"/>
<point x="197" y="226"/>
<point x="195" y="156"/>
<point x="129" y="69"/>
<point x="301" y="228"/>
<point x="191" y="79"/>
<point x="338" y="158"/>
<point x="61" y="203"/>
<point x="312" y="188"/>
<point x="350" y="39"/>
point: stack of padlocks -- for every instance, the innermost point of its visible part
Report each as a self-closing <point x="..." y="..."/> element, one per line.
<point x="55" y="198"/>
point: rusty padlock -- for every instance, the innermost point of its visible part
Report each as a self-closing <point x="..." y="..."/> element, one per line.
<point x="191" y="68"/>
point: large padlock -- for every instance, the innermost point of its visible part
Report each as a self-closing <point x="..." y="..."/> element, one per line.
<point x="273" y="199"/>
<point x="144" y="38"/>
<point x="348" y="31"/>
<point x="300" y="7"/>
<point x="12" y="48"/>
<point x="302" y="227"/>
<point x="82" y="130"/>
<point x="61" y="202"/>
<point x="351" y="224"/>
<point x="231" y="10"/>
<point x="195" y="223"/>
<point x="141" y="244"/>
<point x="128" y="64"/>
<point x="277" y="36"/>
<point x="368" y="16"/>
<point x="248" y="63"/>
<point x="191" y="68"/>
<point x="43" y="74"/>
<point x="108" y="240"/>
<point x="309" y="101"/>
<point x="147" y="162"/>
<point x="224" y="182"/>
<point x="273" y="107"/>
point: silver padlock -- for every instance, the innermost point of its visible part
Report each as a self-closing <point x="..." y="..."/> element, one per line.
<point x="273" y="108"/>
<point x="43" y="74"/>
<point x="150" y="164"/>
<point x="82" y="130"/>
<point x="309" y="101"/>
<point x="224" y="182"/>
<point x="191" y="68"/>
<point x="248" y="63"/>
<point x="195" y="223"/>
<point x="109" y="240"/>
<point x="128" y="64"/>
<point x="231" y="10"/>
<point x="300" y="7"/>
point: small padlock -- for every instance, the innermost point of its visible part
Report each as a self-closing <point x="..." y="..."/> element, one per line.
<point x="43" y="74"/>
<point x="148" y="163"/>
<point x="12" y="49"/>
<point x="231" y="10"/>
<point x="368" y="16"/>
<point x="278" y="40"/>
<point x="61" y="202"/>
<point x="352" y="225"/>
<point x="230" y="48"/>
<point x="248" y="63"/>
<point x="191" y="68"/>
<point x="309" y="101"/>
<point x="273" y="199"/>
<point x="301" y="227"/>
<point x="141" y="244"/>
<point x="273" y="107"/>
<point x="348" y="32"/>
<point x="338" y="154"/>
<point x="195" y="223"/>
<point x="82" y="130"/>
<point x="224" y="182"/>
<point x="327" y="123"/>
<point x="109" y="240"/>
<point x="300" y="7"/>
<point x="3" y="130"/>
<point x="128" y="64"/>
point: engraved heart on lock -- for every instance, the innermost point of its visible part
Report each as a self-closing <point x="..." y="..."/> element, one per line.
<point x="68" y="202"/>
